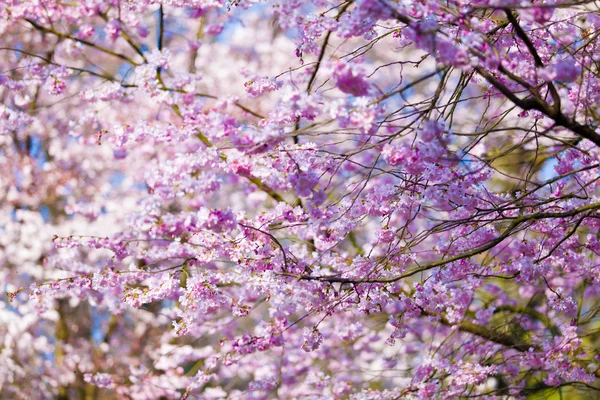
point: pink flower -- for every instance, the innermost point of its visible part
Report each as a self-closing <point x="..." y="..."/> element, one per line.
<point x="564" y="71"/>
<point x="542" y="14"/>
<point x="404" y="156"/>
<point x="386" y="235"/>
<point x="431" y="130"/>
<point x="351" y="79"/>
<point x="113" y="29"/>
<point x="304" y="182"/>
<point x="57" y="86"/>
<point x="563" y="303"/>
<point x="85" y="31"/>
<point x="312" y="339"/>
<point x="393" y="155"/>
<point x="143" y="31"/>
<point x="214" y="29"/>
<point x="260" y="86"/>
<point x="102" y="380"/>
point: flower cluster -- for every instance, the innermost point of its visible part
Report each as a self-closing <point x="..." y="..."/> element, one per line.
<point x="369" y="200"/>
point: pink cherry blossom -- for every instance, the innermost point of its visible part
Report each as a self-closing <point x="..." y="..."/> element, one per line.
<point x="294" y="199"/>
